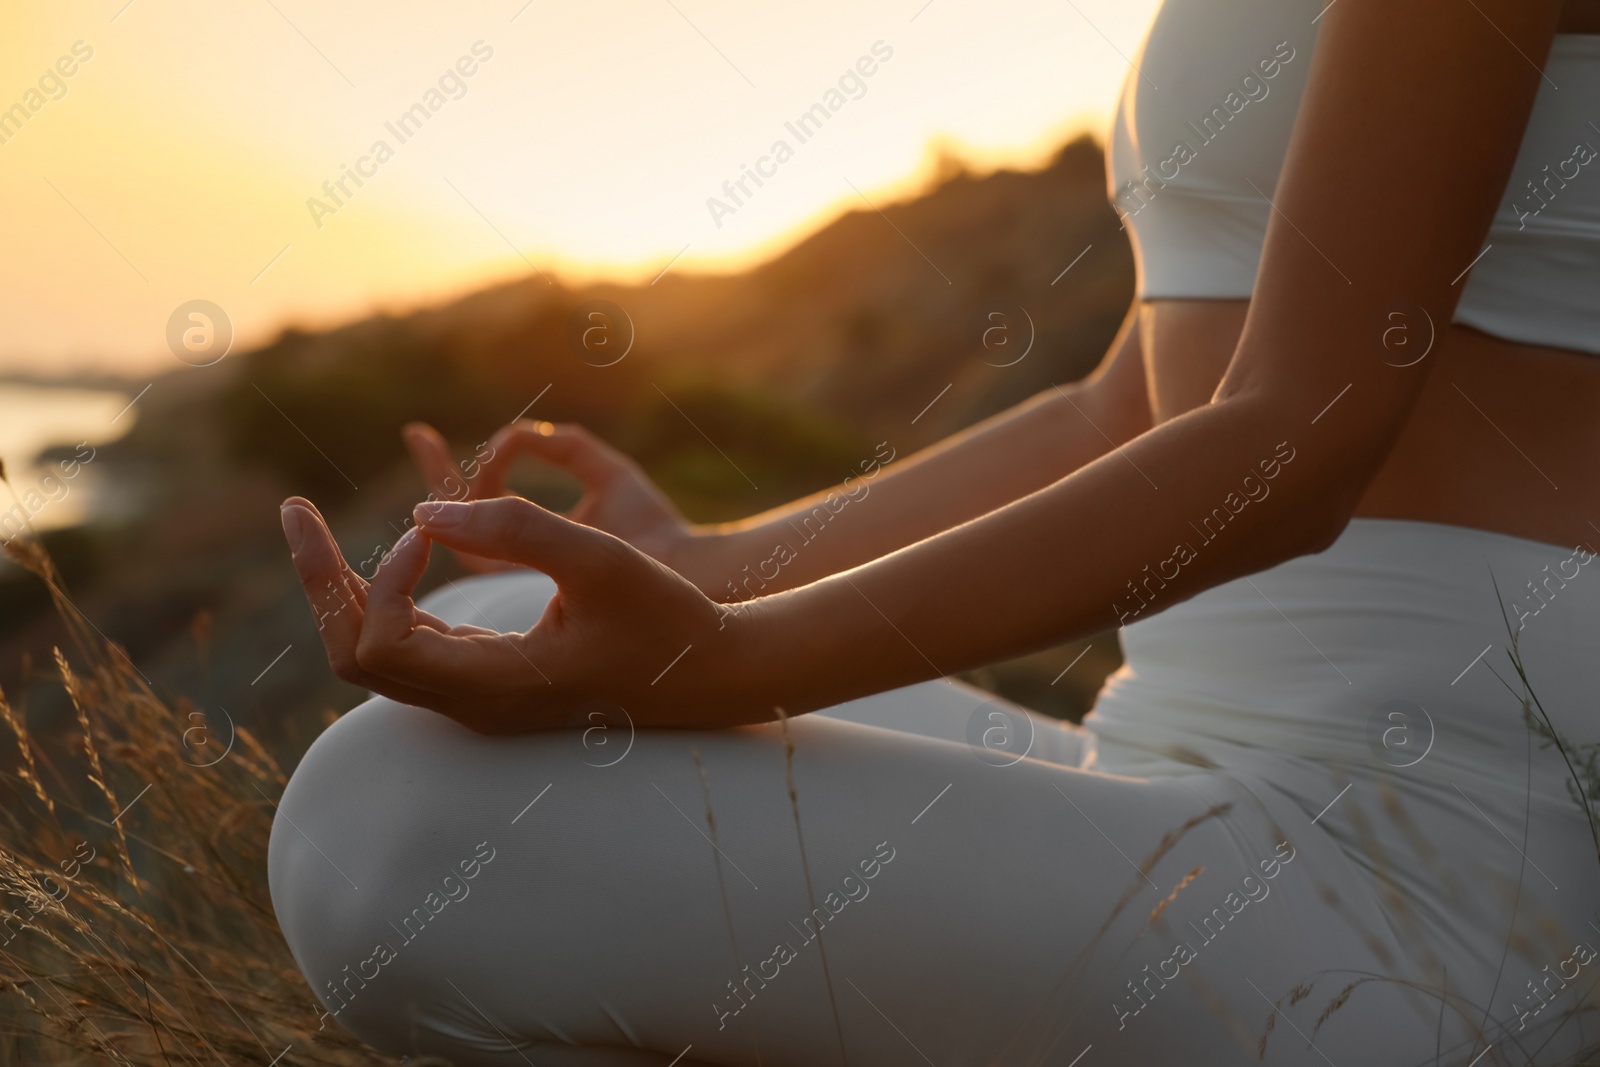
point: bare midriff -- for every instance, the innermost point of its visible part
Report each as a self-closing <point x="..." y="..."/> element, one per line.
<point x="1505" y="436"/>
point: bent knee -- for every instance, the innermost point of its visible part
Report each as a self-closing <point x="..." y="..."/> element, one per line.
<point x="352" y="842"/>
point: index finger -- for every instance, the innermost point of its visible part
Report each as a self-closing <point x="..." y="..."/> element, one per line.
<point x="431" y="454"/>
<point x="393" y="645"/>
<point x="568" y="446"/>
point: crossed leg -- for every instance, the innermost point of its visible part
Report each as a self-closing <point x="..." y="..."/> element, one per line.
<point x="887" y="893"/>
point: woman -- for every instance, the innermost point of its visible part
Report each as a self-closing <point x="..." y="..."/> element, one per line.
<point x="1337" y="466"/>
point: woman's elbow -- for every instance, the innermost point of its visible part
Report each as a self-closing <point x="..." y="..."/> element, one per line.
<point x="1328" y="501"/>
<point x="1327" y="530"/>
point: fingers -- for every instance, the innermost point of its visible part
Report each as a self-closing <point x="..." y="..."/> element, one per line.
<point x="375" y="636"/>
<point x="518" y="531"/>
<point x="338" y="600"/>
<point x="568" y="446"/>
<point x="453" y="663"/>
<point x="330" y="585"/>
<point x="452" y="666"/>
<point x="430" y="452"/>
<point x="390" y="613"/>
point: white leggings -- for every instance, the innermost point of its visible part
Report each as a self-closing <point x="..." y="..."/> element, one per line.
<point x="599" y="896"/>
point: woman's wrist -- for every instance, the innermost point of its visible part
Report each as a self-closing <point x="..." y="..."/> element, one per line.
<point x="710" y="556"/>
<point x="800" y="650"/>
<point x="759" y="660"/>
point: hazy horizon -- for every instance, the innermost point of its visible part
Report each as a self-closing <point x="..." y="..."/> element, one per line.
<point x="191" y="155"/>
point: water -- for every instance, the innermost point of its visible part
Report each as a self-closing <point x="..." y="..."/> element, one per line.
<point x="69" y="489"/>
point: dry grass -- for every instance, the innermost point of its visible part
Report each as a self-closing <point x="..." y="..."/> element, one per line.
<point x="137" y="927"/>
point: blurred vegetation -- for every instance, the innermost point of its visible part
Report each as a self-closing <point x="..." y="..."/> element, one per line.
<point x="358" y="390"/>
<point x="737" y="393"/>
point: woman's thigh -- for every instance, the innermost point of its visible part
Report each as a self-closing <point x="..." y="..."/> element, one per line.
<point x="874" y="897"/>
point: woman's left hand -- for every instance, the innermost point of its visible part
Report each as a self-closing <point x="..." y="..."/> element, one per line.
<point x="622" y="630"/>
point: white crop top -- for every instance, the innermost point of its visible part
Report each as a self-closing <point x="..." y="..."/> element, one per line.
<point x="1183" y="157"/>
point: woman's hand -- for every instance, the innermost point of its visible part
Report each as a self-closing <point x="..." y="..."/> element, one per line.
<point x="622" y="630"/>
<point x="618" y="497"/>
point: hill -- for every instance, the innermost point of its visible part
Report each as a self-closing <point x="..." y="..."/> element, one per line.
<point x="880" y="326"/>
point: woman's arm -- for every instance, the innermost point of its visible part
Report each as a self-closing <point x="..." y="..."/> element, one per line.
<point x="986" y="466"/>
<point x="997" y="461"/>
<point x="1402" y="150"/>
<point x="1404" y="143"/>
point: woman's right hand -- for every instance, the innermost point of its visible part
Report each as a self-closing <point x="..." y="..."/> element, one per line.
<point x="618" y="497"/>
<point x="613" y="636"/>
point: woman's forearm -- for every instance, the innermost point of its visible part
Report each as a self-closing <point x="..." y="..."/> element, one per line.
<point x="1275" y="465"/>
<point x="884" y="508"/>
<point x="1127" y="535"/>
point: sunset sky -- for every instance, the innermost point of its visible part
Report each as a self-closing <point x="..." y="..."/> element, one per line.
<point x="176" y="162"/>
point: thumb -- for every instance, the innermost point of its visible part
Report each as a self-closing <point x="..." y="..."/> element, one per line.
<point x="516" y="530"/>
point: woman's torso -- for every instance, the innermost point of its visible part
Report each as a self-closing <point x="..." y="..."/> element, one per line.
<point x="1504" y="437"/>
